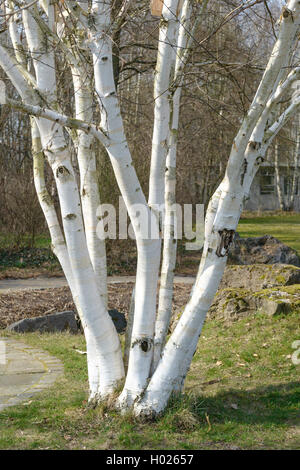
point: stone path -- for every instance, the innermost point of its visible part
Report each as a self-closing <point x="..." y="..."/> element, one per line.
<point x="24" y="371"/>
<point x="9" y="285"/>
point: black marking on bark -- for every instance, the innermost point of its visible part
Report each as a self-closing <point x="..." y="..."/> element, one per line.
<point x="62" y="173"/>
<point x="70" y="217"/>
<point x="226" y="239"/>
<point x="254" y="145"/>
<point x="244" y="171"/>
<point x="144" y="343"/>
<point x="286" y="12"/>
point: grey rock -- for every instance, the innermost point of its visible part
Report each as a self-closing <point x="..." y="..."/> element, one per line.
<point x="62" y="321"/>
<point x="119" y="320"/>
<point x="262" y="250"/>
<point x="274" y="307"/>
<point x="260" y="276"/>
<point x="233" y="303"/>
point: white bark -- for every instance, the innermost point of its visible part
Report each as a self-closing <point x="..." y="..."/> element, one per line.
<point x="173" y="364"/>
<point x="167" y="48"/>
<point x="148" y="249"/>
<point x="102" y="339"/>
<point x="170" y="236"/>
<point x="89" y="189"/>
<point x="77" y="247"/>
<point x="277" y="178"/>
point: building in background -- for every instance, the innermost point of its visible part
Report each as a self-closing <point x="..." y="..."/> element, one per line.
<point x="267" y="185"/>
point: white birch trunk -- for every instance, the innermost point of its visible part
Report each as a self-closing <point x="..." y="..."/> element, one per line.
<point x="172" y="364"/>
<point x="167" y="47"/>
<point x="277" y="177"/>
<point x="170" y="235"/>
<point x="77" y="248"/>
<point x="101" y="336"/>
<point x="148" y="249"/>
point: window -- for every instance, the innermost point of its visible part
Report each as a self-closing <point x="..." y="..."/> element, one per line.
<point x="267" y="181"/>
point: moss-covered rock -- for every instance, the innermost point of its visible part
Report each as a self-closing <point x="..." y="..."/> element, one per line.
<point x="251" y="289"/>
<point x="232" y="303"/>
<point x="260" y="276"/>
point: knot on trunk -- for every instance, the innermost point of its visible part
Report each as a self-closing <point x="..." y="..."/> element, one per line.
<point x="62" y="173"/>
<point x="285" y="12"/>
<point x="254" y="145"/>
<point x="226" y="239"/>
<point x="144" y="343"/>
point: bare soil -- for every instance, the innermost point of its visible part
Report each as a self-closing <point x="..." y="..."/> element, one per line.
<point x="33" y="303"/>
<point x="28" y="273"/>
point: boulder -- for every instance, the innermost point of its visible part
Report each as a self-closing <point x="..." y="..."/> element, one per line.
<point x="62" y="321"/>
<point x="54" y="322"/>
<point x="250" y="289"/>
<point x="119" y="320"/>
<point x="233" y="303"/>
<point x="259" y="276"/>
<point x="262" y="250"/>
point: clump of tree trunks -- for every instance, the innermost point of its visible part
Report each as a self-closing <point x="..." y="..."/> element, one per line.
<point x="37" y="37"/>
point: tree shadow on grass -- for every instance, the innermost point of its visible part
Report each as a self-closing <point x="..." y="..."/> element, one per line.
<point x="272" y="404"/>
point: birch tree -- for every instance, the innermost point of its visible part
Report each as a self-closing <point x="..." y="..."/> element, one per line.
<point x="36" y="37"/>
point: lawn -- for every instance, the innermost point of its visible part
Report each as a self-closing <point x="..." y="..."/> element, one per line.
<point x="242" y="392"/>
<point x="25" y="262"/>
<point x="285" y="227"/>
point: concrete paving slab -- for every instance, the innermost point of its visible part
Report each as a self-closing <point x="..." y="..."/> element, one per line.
<point x="24" y="372"/>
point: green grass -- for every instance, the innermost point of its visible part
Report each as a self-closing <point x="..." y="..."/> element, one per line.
<point x="285" y="227"/>
<point x="28" y="258"/>
<point x="242" y="391"/>
<point x="40" y="241"/>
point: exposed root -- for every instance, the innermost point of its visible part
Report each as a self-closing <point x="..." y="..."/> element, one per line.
<point x="107" y="397"/>
<point x="93" y="401"/>
<point x="125" y="401"/>
<point x="145" y="413"/>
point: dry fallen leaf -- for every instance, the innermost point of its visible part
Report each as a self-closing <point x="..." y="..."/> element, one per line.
<point x="208" y="421"/>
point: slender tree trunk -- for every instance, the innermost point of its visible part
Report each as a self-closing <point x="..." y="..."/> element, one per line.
<point x="278" y="182"/>
<point x="170" y="229"/>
